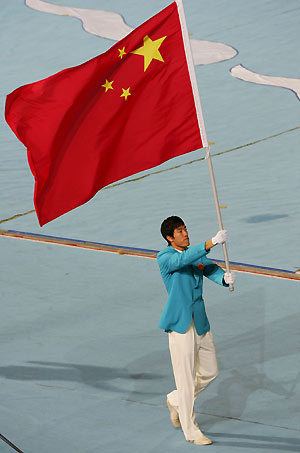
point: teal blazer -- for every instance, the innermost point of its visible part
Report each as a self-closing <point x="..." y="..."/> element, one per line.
<point x="183" y="281"/>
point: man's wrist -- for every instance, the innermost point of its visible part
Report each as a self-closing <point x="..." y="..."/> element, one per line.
<point x="224" y="283"/>
<point x="209" y="244"/>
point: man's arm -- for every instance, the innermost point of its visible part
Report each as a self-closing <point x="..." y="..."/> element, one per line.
<point x="171" y="262"/>
<point x="213" y="272"/>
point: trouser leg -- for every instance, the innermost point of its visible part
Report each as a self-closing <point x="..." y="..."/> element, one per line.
<point x="206" y="365"/>
<point x="195" y="367"/>
<point x="182" y="350"/>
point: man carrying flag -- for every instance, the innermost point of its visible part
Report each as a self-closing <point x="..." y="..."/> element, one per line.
<point x="191" y="343"/>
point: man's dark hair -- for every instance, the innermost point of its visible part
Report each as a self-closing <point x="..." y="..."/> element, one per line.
<point x="169" y="225"/>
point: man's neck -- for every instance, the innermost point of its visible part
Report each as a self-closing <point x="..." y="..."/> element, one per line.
<point x="179" y="249"/>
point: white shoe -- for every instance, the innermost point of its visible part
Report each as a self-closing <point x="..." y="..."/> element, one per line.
<point x="174" y="416"/>
<point x="201" y="440"/>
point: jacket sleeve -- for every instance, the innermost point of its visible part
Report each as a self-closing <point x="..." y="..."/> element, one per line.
<point x="171" y="262"/>
<point x="213" y="271"/>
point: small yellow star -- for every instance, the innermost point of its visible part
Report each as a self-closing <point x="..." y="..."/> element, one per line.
<point x="122" y="52"/>
<point x="125" y="93"/>
<point x="108" y="85"/>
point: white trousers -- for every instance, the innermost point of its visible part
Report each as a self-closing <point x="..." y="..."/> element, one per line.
<point x="195" y="366"/>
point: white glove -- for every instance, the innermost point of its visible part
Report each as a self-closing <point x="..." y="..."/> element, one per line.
<point x="220" y="237"/>
<point x="229" y="277"/>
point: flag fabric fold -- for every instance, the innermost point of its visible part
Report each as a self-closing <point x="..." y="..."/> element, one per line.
<point x="124" y="111"/>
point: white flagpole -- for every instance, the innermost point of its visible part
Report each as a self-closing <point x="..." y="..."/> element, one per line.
<point x="191" y="68"/>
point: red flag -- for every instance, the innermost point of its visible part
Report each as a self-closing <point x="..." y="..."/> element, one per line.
<point x="122" y="112"/>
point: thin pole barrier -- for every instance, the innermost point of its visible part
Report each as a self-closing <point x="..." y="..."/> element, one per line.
<point x="191" y="68"/>
<point x="144" y="253"/>
<point x="10" y="443"/>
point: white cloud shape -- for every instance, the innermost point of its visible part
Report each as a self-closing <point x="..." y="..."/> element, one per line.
<point x="240" y="72"/>
<point x="110" y="25"/>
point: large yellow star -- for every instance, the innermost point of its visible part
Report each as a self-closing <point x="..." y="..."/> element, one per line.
<point x="125" y="93"/>
<point x="108" y="85"/>
<point x="150" y="50"/>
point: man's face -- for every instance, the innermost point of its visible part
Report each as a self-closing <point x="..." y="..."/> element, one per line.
<point x="180" y="239"/>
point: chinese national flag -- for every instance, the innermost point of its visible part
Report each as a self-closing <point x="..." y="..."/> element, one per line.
<point x="120" y="113"/>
